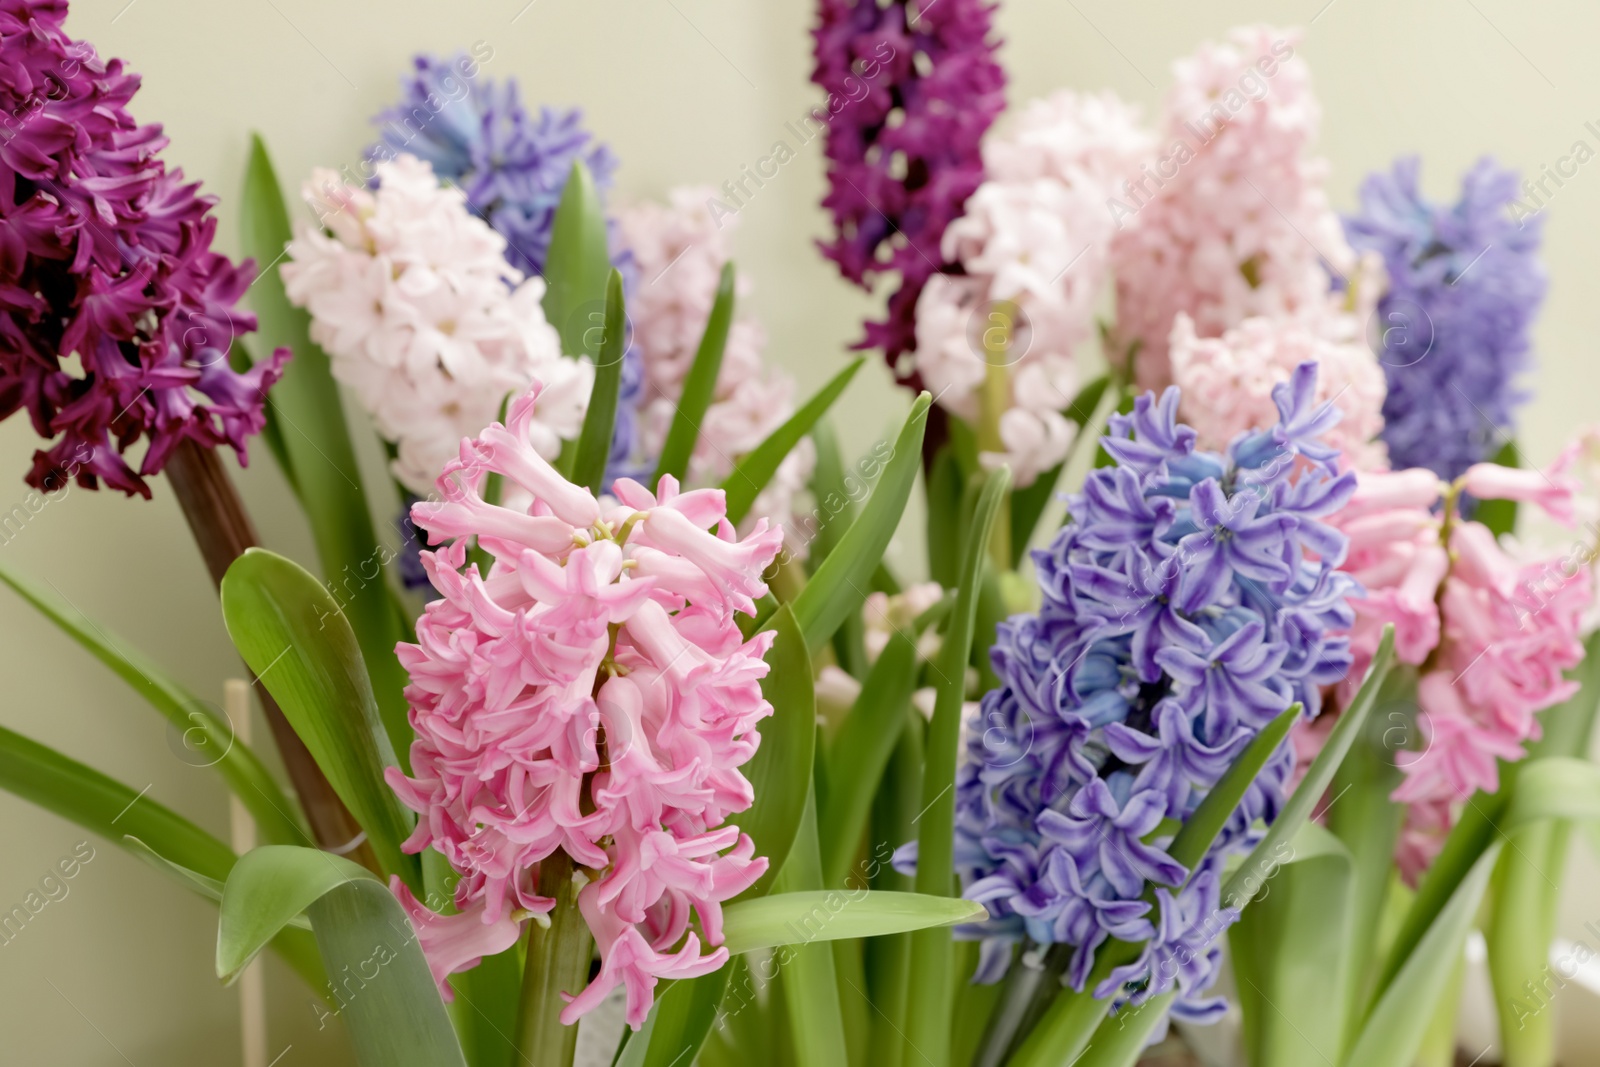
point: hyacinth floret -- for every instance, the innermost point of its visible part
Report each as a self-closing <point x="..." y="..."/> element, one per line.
<point x="591" y="694"/>
<point x="1192" y="597"/>
<point x="1464" y="285"/>
<point x="117" y="320"/>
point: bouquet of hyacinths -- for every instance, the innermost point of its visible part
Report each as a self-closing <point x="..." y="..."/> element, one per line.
<point x="1272" y="717"/>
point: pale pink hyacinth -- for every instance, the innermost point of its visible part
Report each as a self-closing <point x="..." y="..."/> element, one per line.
<point x="1490" y="635"/>
<point x="1227" y="382"/>
<point x="421" y="316"/>
<point x="1033" y="246"/>
<point x="680" y="248"/>
<point x="591" y="694"/>
<point x="1230" y="220"/>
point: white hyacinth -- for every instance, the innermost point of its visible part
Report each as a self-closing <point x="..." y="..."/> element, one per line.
<point x="411" y="297"/>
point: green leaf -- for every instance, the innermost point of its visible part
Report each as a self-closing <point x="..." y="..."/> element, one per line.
<point x="927" y="1008"/>
<point x="1193" y="839"/>
<point x="293" y="636"/>
<point x="861" y="750"/>
<point x="830" y="488"/>
<point x="392" y="1010"/>
<point x="306" y="406"/>
<point x="839" y="586"/>
<point x="1394" y="1029"/>
<point x="1248" y="879"/>
<point x="1290" y="952"/>
<point x="801" y="917"/>
<point x="1028" y="504"/>
<point x="202" y="732"/>
<point x="1521" y="926"/>
<point x="1121" y="1040"/>
<point x="129" y="818"/>
<point x="594" y="442"/>
<point x="578" y="266"/>
<point x="780" y="771"/>
<point x="810" y="984"/>
<point x="1500" y="516"/>
<point x="756" y="468"/>
<point x="678" y="1023"/>
<point x="699" y="385"/>
<point x="945" y="489"/>
<point x="486" y="1006"/>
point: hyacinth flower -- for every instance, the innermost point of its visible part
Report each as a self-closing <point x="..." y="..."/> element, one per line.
<point x="582" y="710"/>
<point x="1231" y="220"/>
<point x="1464" y="285"/>
<point x="1191" y="599"/>
<point x="912" y="87"/>
<point x="997" y="339"/>
<point x="512" y="167"/>
<point x="422" y="317"/>
<point x="681" y="248"/>
<point x="119" y="318"/>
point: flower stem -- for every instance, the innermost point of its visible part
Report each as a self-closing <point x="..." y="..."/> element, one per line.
<point x="223" y="531"/>
<point x="558" y="962"/>
<point x="997" y="342"/>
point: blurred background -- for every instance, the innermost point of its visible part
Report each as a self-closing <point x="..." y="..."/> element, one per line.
<point x="684" y="92"/>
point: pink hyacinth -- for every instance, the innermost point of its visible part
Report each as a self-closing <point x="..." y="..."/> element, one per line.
<point x="1490" y="635"/>
<point x="1230" y="219"/>
<point x="593" y="694"/>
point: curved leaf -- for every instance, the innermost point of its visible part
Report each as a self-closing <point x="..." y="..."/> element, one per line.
<point x="307" y="409"/>
<point x="200" y="727"/>
<point x="577" y="266"/>
<point x="801" y="917"/>
<point x="385" y="993"/>
<point x="861" y="750"/>
<point x="927" y="1005"/>
<point x="699" y="385"/>
<point x="293" y="636"/>
<point x="756" y="468"/>
<point x="780" y="771"/>
<point x="594" y="441"/>
<point x="840" y="584"/>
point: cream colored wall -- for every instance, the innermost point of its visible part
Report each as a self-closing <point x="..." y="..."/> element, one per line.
<point x="684" y="91"/>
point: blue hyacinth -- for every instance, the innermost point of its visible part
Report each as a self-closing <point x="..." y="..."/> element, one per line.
<point x="512" y="165"/>
<point x="1187" y="603"/>
<point x="1453" y="329"/>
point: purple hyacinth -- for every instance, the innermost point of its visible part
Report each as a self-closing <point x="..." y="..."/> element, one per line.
<point x="106" y="265"/>
<point x="1191" y="598"/>
<point x="912" y="87"/>
<point x="513" y="166"/>
<point x="1464" y="285"/>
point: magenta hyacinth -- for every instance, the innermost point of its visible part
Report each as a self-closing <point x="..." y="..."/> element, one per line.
<point x="106" y="254"/>
<point x="591" y="694"/>
<point x="912" y="87"/>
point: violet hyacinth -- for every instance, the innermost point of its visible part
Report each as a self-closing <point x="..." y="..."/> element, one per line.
<point x="1191" y="598"/>
<point x="106" y="255"/>
<point x="912" y="87"/>
<point x="1464" y="285"/>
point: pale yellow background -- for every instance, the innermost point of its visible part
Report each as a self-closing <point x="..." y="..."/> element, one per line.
<point x="684" y="91"/>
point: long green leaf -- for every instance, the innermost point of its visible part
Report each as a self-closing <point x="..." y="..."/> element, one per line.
<point x="386" y="996"/>
<point x="810" y="983"/>
<point x="861" y="750"/>
<point x="594" y="441"/>
<point x="129" y="818"/>
<point x="1394" y="1029"/>
<point x="1121" y="1039"/>
<point x="1290" y="952"/>
<point x="803" y="916"/>
<point x="945" y="488"/>
<point x="578" y="266"/>
<point x="752" y="473"/>
<point x="781" y="768"/>
<point x="293" y="636"/>
<point x="307" y="408"/>
<point x="678" y="1023"/>
<point x="927" y="1007"/>
<point x="1248" y="879"/>
<point x="699" y="385"/>
<point x="840" y="585"/>
<point x="1193" y="839"/>
<point x="207" y="737"/>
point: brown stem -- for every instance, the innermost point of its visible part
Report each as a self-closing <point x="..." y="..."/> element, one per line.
<point x="223" y="531"/>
